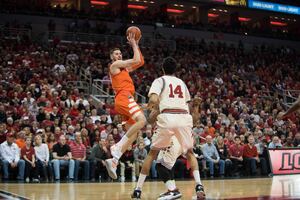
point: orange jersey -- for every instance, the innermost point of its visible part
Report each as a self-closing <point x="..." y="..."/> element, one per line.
<point x="122" y="82"/>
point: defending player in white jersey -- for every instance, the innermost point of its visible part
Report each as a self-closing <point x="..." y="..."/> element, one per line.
<point x="170" y="96"/>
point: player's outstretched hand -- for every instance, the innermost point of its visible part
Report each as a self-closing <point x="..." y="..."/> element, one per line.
<point x="131" y="39"/>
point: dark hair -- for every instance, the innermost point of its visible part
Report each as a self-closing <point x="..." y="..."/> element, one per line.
<point x="169" y="65"/>
<point x="114" y="49"/>
<point x="237" y="137"/>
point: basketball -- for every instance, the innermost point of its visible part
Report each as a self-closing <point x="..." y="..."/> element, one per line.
<point x="136" y="31"/>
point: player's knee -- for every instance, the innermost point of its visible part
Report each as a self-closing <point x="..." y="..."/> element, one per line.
<point x="190" y="154"/>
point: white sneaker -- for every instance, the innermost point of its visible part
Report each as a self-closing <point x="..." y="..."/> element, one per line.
<point x="27" y="180"/>
<point x="170" y="195"/>
<point x="111" y="167"/>
<point x="133" y="179"/>
<point x="122" y="179"/>
<point x="35" y="180"/>
<point x="115" y="151"/>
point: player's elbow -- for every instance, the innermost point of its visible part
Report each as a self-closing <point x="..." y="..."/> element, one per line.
<point x="135" y="62"/>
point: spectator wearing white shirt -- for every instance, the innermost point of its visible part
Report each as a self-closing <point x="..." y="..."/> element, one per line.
<point x="255" y="116"/>
<point x="72" y="56"/>
<point x="218" y="80"/>
<point x="275" y="143"/>
<point x="42" y="157"/>
<point x="60" y="68"/>
<point x="10" y="154"/>
<point x="28" y="99"/>
<point x="69" y="102"/>
<point x="94" y="116"/>
<point x="82" y="101"/>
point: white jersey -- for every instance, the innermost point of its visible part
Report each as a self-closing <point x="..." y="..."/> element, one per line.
<point x="172" y="92"/>
<point x="173" y="95"/>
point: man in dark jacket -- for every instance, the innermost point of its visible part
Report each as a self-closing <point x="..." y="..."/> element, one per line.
<point x="99" y="154"/>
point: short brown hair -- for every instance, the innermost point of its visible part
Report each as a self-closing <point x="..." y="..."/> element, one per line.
<point x="114" y="49"/>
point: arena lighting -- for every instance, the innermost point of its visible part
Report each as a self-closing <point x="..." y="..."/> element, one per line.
<point x="212" y="15"/>
<point x="99" y="3"/>
<point x="171" y="10"/>
<point x="244" y="19"/>
<point x="278" y="23"/>
<point x="138" y="7"/>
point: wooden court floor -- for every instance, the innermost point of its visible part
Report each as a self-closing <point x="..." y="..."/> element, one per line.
<point x="278" y="187"/>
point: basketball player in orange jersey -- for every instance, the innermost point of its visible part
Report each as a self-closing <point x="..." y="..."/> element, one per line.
<point x="124" y="101"/>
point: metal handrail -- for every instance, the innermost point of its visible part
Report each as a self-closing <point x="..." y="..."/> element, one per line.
<point x="80" y="85"/>
<point x="289" y="96"/>
<point x="100" y="84"/>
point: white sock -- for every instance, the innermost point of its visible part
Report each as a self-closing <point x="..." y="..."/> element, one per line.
<point x="118" y="153"/>
<point x="123" y="140"/>
<point x="174" y="184"/>
<point x="141" y="181"/>
<point x="170" y="184"/>
<point x="196" y="175"/>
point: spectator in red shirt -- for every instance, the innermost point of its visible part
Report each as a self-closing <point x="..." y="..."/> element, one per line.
<point x="251" y="158"/>
<point x="28" y="154"/>
<point x="289" y="142"/>
<point x="86" y="139"/>
<point x="236" y="154"/>
<point x="79" y="155"/>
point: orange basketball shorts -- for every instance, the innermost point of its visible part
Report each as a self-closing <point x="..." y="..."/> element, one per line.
<point x="126" y="106"/>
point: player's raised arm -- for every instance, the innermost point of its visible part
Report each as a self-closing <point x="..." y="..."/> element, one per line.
<point x="135" y="62"/>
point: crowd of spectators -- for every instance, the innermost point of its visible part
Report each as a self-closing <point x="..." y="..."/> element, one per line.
<point x="49" y="129"/>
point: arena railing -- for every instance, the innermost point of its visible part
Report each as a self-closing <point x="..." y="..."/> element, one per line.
<point x="105" y="86"/>
<point x="81" y="85"/>
<point x="289" y="96"/>
<point x="98" y="88"/>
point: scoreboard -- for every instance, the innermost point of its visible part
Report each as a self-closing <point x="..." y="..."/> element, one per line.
<point x="275" y="7"/>
<point x="283" y="6"/>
